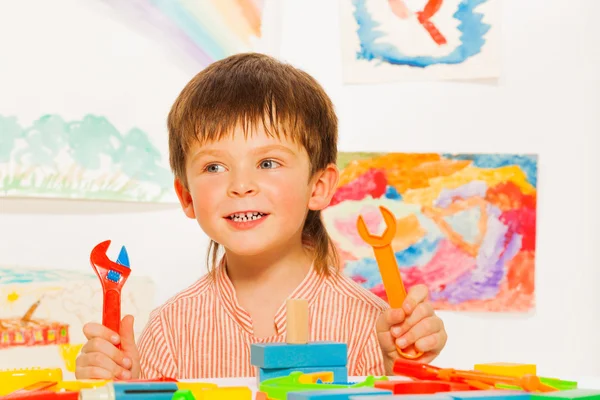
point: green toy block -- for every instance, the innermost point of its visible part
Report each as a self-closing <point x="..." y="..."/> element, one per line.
<point x="558" y="384"/>
<point x="183" y="394"/>
<point x="574" y="394"/>
<point x="340" y="374"/>
<point x="279" y="388"/>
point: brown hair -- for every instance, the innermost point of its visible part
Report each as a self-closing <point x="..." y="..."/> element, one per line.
<point x="250" y="89"/>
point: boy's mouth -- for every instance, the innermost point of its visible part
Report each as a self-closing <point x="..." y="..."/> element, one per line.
<point x="246" y="216"/>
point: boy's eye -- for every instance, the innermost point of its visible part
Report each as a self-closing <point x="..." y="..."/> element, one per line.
<point x="267" y="164"/>
<point x="214" y="168"/>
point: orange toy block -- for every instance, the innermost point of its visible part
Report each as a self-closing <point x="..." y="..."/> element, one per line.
<point x="261" y="396"/>
<point x="507" y="369"/>
<point x="296" y="321"/>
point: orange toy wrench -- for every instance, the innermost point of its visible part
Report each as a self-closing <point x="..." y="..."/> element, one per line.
<point x="386" y="261"/>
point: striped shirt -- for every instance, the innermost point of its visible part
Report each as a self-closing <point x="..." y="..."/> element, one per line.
<point x="203" y="332"/>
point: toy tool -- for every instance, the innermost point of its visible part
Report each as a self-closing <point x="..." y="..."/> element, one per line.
<point x="112" y="277"/>
<point x="386" y="261"/>
<point x="475" y="379"/>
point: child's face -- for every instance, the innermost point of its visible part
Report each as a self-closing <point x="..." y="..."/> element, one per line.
<point x="252" y="194"/>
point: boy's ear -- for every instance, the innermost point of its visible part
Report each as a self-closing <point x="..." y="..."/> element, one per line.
<point x="324" y="184"/>
<point x="185" y="198"/>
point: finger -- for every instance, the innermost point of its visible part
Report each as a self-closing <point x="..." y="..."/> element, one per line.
<point x="391" y="317"/>
<point x="127" y="335"/>
<point x="416" y="294"/>
<point x="93" y="330"/>
<point x="426" y="327"/>
<point x="96" y="365"/>
<point x="432" y="343"/>
<point x="422" y="311"/>
<point x="98" y="345"/>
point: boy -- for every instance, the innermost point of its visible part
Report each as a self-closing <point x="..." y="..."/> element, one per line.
<point x="253" y="146"/>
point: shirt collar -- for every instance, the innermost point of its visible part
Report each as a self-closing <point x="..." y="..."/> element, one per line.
<point x="308" y="289"/>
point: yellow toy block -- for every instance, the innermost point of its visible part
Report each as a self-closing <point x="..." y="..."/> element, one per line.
<point x="76" y="386"/>
<point x="507" y="369"/>
<point x="226" y="393"/>
<point x="196" y="388"/>
<point x="14" y="379"/>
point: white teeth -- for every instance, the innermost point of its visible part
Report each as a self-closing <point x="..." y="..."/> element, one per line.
<point x="243" y="217"/>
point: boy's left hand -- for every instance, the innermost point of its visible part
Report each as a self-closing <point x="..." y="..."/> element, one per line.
<point x="415" y="323"/>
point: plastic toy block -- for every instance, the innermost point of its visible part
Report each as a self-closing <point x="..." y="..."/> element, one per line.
<point x="507" y="369"/>
<point x="557" y="384"/>
<point x="296" y="321"/>
<point x="421" y="387"/>
<point x="15" y="379"/>
<point x="490" y="395"/>
<point x="261" y="396"/>
<point x="279" y="388"/>
<point x="317" y="377"/>
<point x="340" y="374"/>
<point x="225" y="393"/>
<point x="337" y="394"/>
<point x="436" y="396"/>
<point x="183" y="394"/>
<point x="285" y="355"/>
<point x="196" y="388"/>
<point x="575" y="394"/>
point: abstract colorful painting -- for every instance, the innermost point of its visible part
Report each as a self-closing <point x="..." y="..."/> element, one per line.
<point x="205" y="31"/>
<point x="398" y="40"/>
<point x="81" y="159"/>
<point x="466" y="225"/>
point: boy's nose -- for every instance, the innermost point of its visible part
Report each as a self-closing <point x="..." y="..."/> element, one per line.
<point x="242" y="188"/>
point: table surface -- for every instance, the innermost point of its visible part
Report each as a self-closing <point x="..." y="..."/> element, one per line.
<point x="586" y="382"/>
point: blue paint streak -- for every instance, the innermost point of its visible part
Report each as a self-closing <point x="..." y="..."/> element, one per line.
<point x="392" y="193"/>
<point x="472" y="39"/>
<point x="24" y="275"/>
<point x="527" y="162"/>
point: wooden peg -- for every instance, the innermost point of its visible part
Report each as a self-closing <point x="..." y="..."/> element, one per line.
<point x="296" y="321"/>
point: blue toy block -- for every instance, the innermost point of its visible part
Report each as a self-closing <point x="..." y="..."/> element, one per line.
<point x="431" y="396"/>
<point x="284" y="355"/>
<point x="340" y="374"/>
<point x="489" y="395"/>
<point x="338" y="394"/>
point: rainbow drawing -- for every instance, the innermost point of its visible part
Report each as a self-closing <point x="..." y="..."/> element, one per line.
<point x="205" y="31"/>
<point x="466" y="225"/>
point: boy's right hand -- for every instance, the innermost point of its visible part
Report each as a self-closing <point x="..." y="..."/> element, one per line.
<point x="101" y="359"/>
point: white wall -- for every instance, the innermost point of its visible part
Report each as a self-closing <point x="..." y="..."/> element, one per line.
<point x="547" y="102"/>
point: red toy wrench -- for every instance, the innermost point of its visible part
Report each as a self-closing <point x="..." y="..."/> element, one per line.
<point x="112" y="277"/>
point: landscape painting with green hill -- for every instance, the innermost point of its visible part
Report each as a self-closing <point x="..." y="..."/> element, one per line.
<point x="88" y="158"/>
